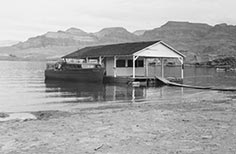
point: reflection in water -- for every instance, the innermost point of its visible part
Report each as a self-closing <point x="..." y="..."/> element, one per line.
<point x="22" y="88"/>
<point x="209" y="77"/>
<point x="93" y="92"/>
<point x="81" y="91"/>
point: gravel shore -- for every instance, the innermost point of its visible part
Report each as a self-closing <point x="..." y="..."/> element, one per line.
<point x="201" y="123"/>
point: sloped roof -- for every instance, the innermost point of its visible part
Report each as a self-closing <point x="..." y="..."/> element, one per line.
<point x="161" y="50"/>
<point x="110" y="50"/>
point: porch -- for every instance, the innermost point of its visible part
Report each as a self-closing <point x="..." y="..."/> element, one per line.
<point x="142" y="68"/>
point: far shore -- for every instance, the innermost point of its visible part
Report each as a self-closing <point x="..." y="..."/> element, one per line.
<point x="225" y="62"/>
<point x="204" y="122"/>
<point x="196" y="65"/>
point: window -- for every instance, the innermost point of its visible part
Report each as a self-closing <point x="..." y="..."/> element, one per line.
<point x="130" y="63"/>
<point x="138" y="63"/>
<point x="120" y="63"/>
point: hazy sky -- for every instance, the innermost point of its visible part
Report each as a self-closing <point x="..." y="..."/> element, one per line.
<point x="21" y="19"/>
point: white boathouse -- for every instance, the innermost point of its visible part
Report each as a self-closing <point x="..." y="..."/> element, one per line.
<point x="133" y="60"/>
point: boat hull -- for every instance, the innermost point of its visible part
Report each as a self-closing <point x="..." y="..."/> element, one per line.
<point x="83" y="75"/>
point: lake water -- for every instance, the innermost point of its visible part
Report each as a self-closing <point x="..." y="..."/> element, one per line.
<point x="22" y="88"/>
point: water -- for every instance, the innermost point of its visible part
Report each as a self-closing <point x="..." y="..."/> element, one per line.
<point x="23" y="89"/>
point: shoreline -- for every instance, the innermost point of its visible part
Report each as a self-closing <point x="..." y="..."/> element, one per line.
<point x="200" y="123"/>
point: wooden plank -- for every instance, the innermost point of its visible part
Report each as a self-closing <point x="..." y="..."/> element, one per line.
<point x="163" y="80"/>
<point x="166" y="82"/>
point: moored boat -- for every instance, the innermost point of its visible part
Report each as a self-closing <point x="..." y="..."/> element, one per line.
<point x="225" y="69"/>
<point x="218" y="69"/>
<point x="85" y="72"/>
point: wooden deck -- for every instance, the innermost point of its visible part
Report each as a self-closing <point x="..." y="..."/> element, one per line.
<point x="157" y="81"/>
<point x="138" y="80"/>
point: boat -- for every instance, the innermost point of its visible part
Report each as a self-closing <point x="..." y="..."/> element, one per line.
<point x="84" y="72"/>
<point x="218" y="69"/>
<point x="225" y="69"/>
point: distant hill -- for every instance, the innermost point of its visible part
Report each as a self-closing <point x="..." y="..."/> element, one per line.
<point x="70" y="37"/>
<point x="199" y="42"/>
<point x="115" y="35"/>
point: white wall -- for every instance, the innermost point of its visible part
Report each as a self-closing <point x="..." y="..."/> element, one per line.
<point x="122" y="71"/>
<point x="109" y="63"/>
<point x="154" y="71"/>
<point x="140" y="71"/>
<point x="168" y="71"/>
<point x="128" y="71"/>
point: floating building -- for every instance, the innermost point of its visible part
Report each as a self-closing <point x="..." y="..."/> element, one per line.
<point x="132" y="61"/>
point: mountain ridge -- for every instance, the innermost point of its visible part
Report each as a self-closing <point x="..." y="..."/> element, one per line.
<point x="198" y="41"/>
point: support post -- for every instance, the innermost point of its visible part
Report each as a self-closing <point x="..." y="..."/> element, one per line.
<point x="134" y="58"/>
<point x="100" y="59"/>
<point x="146" y="66"/>
<point x="114" y="67"/>
<point x="87" y="59"/>
<point x="162" y="67"/>
<point x="133" y="94"/>
<point x="133" y="66"/>
<point x="182" y="68"/>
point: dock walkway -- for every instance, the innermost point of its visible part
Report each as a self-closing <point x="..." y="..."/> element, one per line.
<point x="169" y="83"/>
